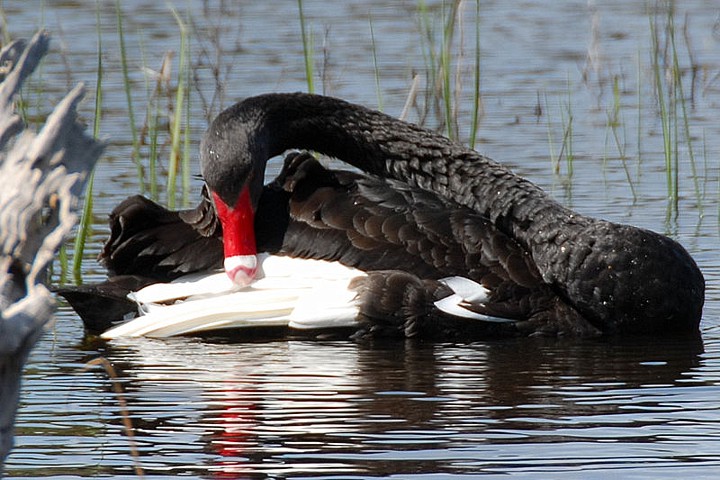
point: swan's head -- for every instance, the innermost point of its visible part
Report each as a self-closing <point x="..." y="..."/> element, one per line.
<point x="234" y="178"/>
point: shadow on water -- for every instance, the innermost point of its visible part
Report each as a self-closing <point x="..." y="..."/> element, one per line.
<point x="308" y="407"/>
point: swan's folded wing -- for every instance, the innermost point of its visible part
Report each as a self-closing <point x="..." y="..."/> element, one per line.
<point x="291" y="292"/>
<point x="256" y="308"/>
<point x="149" y="240"/>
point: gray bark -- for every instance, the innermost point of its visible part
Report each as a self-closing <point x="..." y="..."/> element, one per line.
<point x="42" y="174"/>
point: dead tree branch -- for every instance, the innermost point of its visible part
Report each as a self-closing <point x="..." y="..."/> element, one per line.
<point x="42" y="175"/>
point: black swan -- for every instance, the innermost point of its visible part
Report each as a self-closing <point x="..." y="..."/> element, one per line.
<point x="426" y="209"/>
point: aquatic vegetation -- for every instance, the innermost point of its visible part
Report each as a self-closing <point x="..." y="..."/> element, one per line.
<point x="615" y="122"/>
<point x="182" y="106"/>
<point x="87" y="211"/>
<point x="127" y="85"/>
<point x="672" y="105"/>
<point x="307" y="43"/>
<point x="445" y="92"/>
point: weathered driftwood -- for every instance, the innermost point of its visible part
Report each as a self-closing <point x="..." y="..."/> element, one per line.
<point x="41" y="177"/>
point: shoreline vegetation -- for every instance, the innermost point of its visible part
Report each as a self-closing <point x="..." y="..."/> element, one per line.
<point x="444" y="93"/>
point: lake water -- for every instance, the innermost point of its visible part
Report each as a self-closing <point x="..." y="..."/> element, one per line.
<point x="527" y="408"/>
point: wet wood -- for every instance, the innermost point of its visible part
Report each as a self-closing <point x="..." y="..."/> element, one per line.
<point x="42" y="175"/>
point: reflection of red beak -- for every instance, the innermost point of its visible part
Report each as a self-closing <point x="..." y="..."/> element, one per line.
<point x="238" y="224"/>
<point x="238" y="421"/>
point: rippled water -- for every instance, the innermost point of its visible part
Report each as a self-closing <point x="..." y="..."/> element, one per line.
<point x="530" y="408"/>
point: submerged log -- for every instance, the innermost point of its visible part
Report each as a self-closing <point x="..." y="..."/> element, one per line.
<point x="42" y="175"/>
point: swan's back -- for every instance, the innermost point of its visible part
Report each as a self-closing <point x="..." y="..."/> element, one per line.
<point x="621" y="278"/>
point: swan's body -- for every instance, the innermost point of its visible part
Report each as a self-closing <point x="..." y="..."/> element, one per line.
<point x="300" y="294"/>
<point x="429" y="209"/>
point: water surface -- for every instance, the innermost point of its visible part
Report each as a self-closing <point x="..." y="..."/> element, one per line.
<point x="278" y="407"/>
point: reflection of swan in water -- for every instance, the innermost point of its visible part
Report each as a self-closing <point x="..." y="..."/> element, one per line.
<point x="519" y="263"/>
<point x="309" y="407"/>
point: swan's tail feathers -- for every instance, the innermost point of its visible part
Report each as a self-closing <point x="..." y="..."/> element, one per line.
<point x="103" y="305"/>
<point x="466" y="300"/>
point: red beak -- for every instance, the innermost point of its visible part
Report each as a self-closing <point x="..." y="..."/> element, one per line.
<point x="238" y="225"/>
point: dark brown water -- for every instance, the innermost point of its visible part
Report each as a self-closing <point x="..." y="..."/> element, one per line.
<point x="593" y="409"/>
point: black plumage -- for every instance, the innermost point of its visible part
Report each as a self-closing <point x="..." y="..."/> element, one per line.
<point x="426" y="208"/>
<point x="620" y="278"/>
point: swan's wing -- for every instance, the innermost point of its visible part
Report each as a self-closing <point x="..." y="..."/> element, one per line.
<point x="379" y="224"/>
<point x="292" y="292"/>
<point x="366" y="222"/>
<point x="149" y="240"/>
<point x="312" y="212"/>
<point x="231" y="310"/>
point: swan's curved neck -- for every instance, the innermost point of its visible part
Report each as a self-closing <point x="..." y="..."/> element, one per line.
<point x="376" y="143"/>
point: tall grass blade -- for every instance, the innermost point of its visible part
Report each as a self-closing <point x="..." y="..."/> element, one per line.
<point x="153" y="112"/>
<point x="664" y="115"/>
<point x="186" y="144"/>
<point x="430" y="56"/>
<point x="411" y="98"/>
<point x="680" y="97"/>
<point x="477" y="99"/>
<point x="87" y="213"/>
<point x="307" y="50"/>
<point x="615" y="121"/>
<point x="554" y="160"/>
<point x="375" y="66"/>
<point x="128" y="95"/>
<point x="177" y="113"/>
<point x="638" y="86"/>
<point x="63" y="261"/>
<point x="445" y="69"/>
<point x="566" y="117"/>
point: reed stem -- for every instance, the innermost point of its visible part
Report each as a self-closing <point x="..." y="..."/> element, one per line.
<point x="175" y="133"/>
<point x="307" y="50"/>
<point x="378" y="90"/>
<point x="87" y="213"/>
<point x="128" y="95"/>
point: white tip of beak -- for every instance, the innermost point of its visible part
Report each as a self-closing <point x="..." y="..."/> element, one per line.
<point x="241" y="269"/>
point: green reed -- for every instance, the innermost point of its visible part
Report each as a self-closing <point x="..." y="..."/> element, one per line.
<point x="181" y="102"/>
<point x="567" y="117"/>
<point x="665" y="106"/>
<point x="477" y="99"/>
<point x="554" y="160"/>
<point x="566" y="145"/>
<point x="444" y="65"/>
<point x="4" y="25"/>
<point x="438" y="63"/>
<point x="307" y="44"/>
<point x="376" y="69"/>
<point x="672" y="105"/>
<point x="152" y="112"/>
<point x="638" y="87"/>
<point x="151" y="129"/>
<point x="681" y="99"/>
<point x="85" y="223"/>
<point x="615" y="122"/>
<point x="446" y="69"/>
<point x="128" y="95"/>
